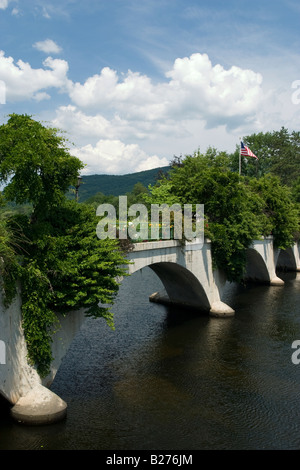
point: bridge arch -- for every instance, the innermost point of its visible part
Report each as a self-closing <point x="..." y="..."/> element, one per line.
<point x="181" y="285"/>
<point x="286" y="260"/>
<point x="256" y="268"/>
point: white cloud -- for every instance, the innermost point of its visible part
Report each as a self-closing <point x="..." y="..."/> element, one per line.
<point x="194" y="89"/>
<point x="87" y="127"/>
<point x="23" y="82"/>
<point x="15" y="12"/>
<point x="81" y="124"/>
<point x="46" y="14"/>
<point x="162" y="119"/>
<point x="115" y="157"/>
<point x="41" y="96"/>
<point x="124" y="123"/>
<point x="48" y="46"/>
<point x="215" y="94"/>
<point x="134" y="95"/>
<point x="3" y="4"/>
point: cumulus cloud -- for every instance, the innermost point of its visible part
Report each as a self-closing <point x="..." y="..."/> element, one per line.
<point x="3" y="4"/>
<point x="194" y="95"/>
<point x="115" y="157"/>
<point x="135" y="95"/>
<point x="83" y="125"/>
<point x="131" y="104"/>
<point x="15" y="12"/>
<point x="23" y="82"/>
<point x="48" y="46"/>
<point x="213" y="92"/>
<point x="126" y="122"/>
<point x="194" y="89"/>
<point x="97" y="126"/>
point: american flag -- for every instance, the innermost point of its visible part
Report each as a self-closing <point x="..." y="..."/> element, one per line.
<point x="246" y="151"/>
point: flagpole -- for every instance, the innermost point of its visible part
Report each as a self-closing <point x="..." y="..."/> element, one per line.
<point x="240" y="162"/>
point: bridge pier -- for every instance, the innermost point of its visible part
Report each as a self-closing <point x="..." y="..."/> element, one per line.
<point x="262" y="261"/>
<point x="218" y="309"/>
<point x="39" y="406"/>
<point x="276" y="281"/>
<point x="221" y="310"/>
<point x="20" y="384"/>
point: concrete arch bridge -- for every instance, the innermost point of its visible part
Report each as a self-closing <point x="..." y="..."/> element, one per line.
<point x="189" y="279"/>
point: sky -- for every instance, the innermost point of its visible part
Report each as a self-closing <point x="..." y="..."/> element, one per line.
<point x="132" y="83"/>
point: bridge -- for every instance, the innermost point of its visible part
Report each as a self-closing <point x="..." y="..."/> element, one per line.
<point x="189" y="279"/>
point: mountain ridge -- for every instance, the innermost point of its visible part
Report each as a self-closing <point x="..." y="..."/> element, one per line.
<point x="117" y="185"/>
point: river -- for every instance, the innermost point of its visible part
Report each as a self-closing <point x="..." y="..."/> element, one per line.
<point x="171" y="379"/>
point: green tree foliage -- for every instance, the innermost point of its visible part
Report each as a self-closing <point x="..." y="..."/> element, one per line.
<point x="35" y="163"/>
<point x="296" y="190"/>
<point x="279" y="213"/>
<point x="117" y="185"/>
<point x="66" y="269"/>
<point x="136" y="196"/>
<point x="278" y="153"/>
<point x="100" y="198"/>
<point x="11" y="238"/>
<point x="237" y="209"/>
<point x="60" y="262"/>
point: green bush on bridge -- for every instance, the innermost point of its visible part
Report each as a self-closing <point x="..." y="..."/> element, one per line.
<point x="238" y="209"/>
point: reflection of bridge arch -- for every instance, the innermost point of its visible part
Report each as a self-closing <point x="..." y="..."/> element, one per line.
<point x="182" y="286"/>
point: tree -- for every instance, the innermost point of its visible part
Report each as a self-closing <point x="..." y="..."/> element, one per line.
<point x="66" y="268"/>
<point x="101" y="198"/>
<point x="60" y="262"/>
<point x="279" y="214"/>
<point x="237" y="210"/>
<point x="296" y="190"/>
<point x="35" y="164"/>
<point x="230" y="223"/>
<point x="137" y="195"/>
<point x="278" y="153"/>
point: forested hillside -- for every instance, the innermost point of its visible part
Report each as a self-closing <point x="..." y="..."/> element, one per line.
<point x="117" y="185"/>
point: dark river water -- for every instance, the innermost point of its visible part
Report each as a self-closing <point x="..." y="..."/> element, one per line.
<point x="172" y="379"/>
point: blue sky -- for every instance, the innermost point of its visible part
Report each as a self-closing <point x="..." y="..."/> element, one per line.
<point x="135" y="82"/>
